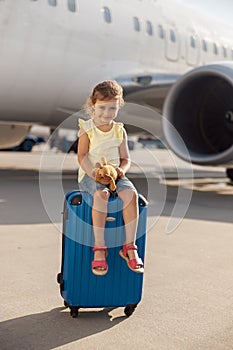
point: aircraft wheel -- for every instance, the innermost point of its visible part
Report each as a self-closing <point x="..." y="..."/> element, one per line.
<point x="27" y="145"/>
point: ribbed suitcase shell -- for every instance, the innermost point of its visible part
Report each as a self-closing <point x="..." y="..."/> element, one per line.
<point x="79" y="286"/>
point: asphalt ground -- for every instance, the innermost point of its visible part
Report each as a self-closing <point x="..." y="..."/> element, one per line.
<point x="187" y="293"/>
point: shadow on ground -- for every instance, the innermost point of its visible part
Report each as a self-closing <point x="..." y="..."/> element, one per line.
<point x="49" y="330"/>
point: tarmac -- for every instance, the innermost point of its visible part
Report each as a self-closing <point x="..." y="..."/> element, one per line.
<point x="188" y="286"/>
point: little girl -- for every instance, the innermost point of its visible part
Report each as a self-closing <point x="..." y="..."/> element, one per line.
<point x="100" y="137"/>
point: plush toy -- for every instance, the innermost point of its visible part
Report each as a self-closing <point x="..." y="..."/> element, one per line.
<point x="106" y="174"/>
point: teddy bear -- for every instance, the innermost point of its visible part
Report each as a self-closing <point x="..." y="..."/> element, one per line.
<point x="106" y="174"/>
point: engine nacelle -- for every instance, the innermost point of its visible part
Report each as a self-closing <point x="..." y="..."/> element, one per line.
<point x="200" y="107"/>
<point x="11" y="134"/>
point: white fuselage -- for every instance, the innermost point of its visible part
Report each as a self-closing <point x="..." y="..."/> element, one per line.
<point x="51" y="57"/>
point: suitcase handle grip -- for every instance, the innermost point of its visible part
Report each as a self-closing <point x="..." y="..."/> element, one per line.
<point x="76" y="200"/>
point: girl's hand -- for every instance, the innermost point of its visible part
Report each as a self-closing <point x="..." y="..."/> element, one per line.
<point x="120" y="172"/>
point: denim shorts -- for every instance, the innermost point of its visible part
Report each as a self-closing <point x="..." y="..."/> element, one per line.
<point x="90" y="185"/>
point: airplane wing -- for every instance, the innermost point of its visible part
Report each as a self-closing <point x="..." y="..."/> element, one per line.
<point x="147" y="89"/>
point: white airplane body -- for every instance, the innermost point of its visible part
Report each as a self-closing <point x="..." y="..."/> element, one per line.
<point x="54" y="52"/>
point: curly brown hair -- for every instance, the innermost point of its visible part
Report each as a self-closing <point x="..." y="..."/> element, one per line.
<point x="104" y="91"/>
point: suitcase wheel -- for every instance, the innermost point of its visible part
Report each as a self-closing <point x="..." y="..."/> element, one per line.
<point x="129" y="309"/>
<point x="74" y="311"/>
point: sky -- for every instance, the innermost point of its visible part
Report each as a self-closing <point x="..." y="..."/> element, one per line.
<point x="220" y="9"/>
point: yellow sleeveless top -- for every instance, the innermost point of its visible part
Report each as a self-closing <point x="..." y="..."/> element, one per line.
<point x="102" y="143"/>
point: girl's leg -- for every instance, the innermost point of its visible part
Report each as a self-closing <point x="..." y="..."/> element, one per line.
<point x="99" y="214"/>
<point x="130" y="216"/>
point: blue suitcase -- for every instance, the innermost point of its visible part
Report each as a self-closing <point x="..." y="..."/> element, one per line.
<point x="78" y="285"/>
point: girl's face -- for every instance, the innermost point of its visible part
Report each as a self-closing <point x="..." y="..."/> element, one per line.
<point x="105" y="111"/>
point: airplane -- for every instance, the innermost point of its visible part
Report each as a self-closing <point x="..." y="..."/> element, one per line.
<point x="168" y="58"/>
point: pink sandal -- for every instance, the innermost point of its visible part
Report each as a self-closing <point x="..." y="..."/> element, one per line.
<point x="136" y="265"/>
<point x="99" y="263"/>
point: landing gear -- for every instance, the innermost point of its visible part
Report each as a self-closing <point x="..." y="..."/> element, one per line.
<point x="27" y="145"/>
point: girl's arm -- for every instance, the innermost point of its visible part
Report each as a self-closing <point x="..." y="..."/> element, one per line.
<point x="125" y="161"/>
<point x="83" y="149"/>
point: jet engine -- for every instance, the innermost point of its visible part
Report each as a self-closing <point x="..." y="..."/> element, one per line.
<point x="198" y="113"/>
<point x="12" y="133"/>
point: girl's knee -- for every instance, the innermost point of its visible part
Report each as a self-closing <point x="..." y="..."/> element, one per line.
<point x="128" y="195"/>
<point x="101" y="195"/>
